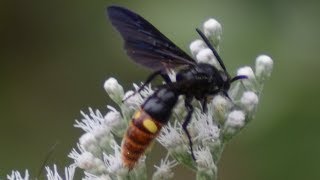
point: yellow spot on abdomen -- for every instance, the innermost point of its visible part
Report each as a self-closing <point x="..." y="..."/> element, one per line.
<point x="150" y="125"/>
<point x="137" y="115"/>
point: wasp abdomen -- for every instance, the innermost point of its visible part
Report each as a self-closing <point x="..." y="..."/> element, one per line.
<point x="146" y="124"/>
<point x="140" y="133"/>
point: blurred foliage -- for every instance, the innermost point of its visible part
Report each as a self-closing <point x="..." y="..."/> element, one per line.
<point x="55" y="56"/>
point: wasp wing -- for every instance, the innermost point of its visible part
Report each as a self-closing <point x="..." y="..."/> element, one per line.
<point x="144" y="43"/>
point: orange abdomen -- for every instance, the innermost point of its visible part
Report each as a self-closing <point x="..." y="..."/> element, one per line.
<point x="140" y="133"/>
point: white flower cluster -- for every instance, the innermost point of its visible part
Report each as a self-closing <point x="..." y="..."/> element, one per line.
<point x="51" y="174"/>
<point x="99" y="154"/>
<point x="211" y="131"/>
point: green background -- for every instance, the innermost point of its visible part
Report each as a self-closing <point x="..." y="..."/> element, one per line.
<point x="55" y="56"/>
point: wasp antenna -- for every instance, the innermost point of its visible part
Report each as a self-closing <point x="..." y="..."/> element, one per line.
<point x="206" y="40"/>
<point x="238" y="78"/>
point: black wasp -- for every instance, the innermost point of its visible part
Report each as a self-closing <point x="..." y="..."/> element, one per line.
<point x="148" y="47"/>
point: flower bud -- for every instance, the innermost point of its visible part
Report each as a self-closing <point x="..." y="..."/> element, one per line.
<point x="196" y="46"/>
<point x="114" y="90"/>
<point x="249" y="100"/>
<point x="221" y="107"/>
<point x="249" y="83"/>
<point x="235" y="121"/>
<point x="213" y="30"/>
<point x="264" y="65"/>
<point x="206" y="56"/>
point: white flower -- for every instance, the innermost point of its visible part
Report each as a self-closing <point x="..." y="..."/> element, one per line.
<point x="170" y="136"/>
<point x="15" y="175"/>
<point x="114" y="163"/>
<point x="99" y="132"/>
<point x="54" y="175"/>
<point x="145" y="92"/>
<point x="90" y="122"/>
<point x="205" y="127"/>
<point x="174" y="139"/>
<point x="87" y="161"/>
<point x="264" y="65"/>
<point x="89" y="176"/>
<point x="89" y="143"/>
<point x="114" y="121"/>
<point x="196" y="46"/>
<point x="134" y="101"/>
<point x="204" y="160"/>
<point x="249" y="100"/>
<point x="113" y="117"/>
<point x="164" y="171"/>
<point x="114" y="89"/>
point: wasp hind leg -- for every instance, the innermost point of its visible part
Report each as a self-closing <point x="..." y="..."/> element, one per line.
<point x="149" y="79"/>
<point x="187" y="121"/>
<point x="204" y="104"/>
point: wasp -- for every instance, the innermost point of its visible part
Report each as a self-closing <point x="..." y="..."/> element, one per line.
<point x="147" y="46"/>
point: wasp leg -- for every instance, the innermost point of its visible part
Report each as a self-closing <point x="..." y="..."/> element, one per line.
<point x="149" y="79"/>
<point x="166" y="78"/>
<point x="204" y="104"/>
<point x="187" y="121"/>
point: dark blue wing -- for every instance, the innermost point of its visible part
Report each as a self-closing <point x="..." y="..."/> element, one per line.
<point x="144" y="43"/>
